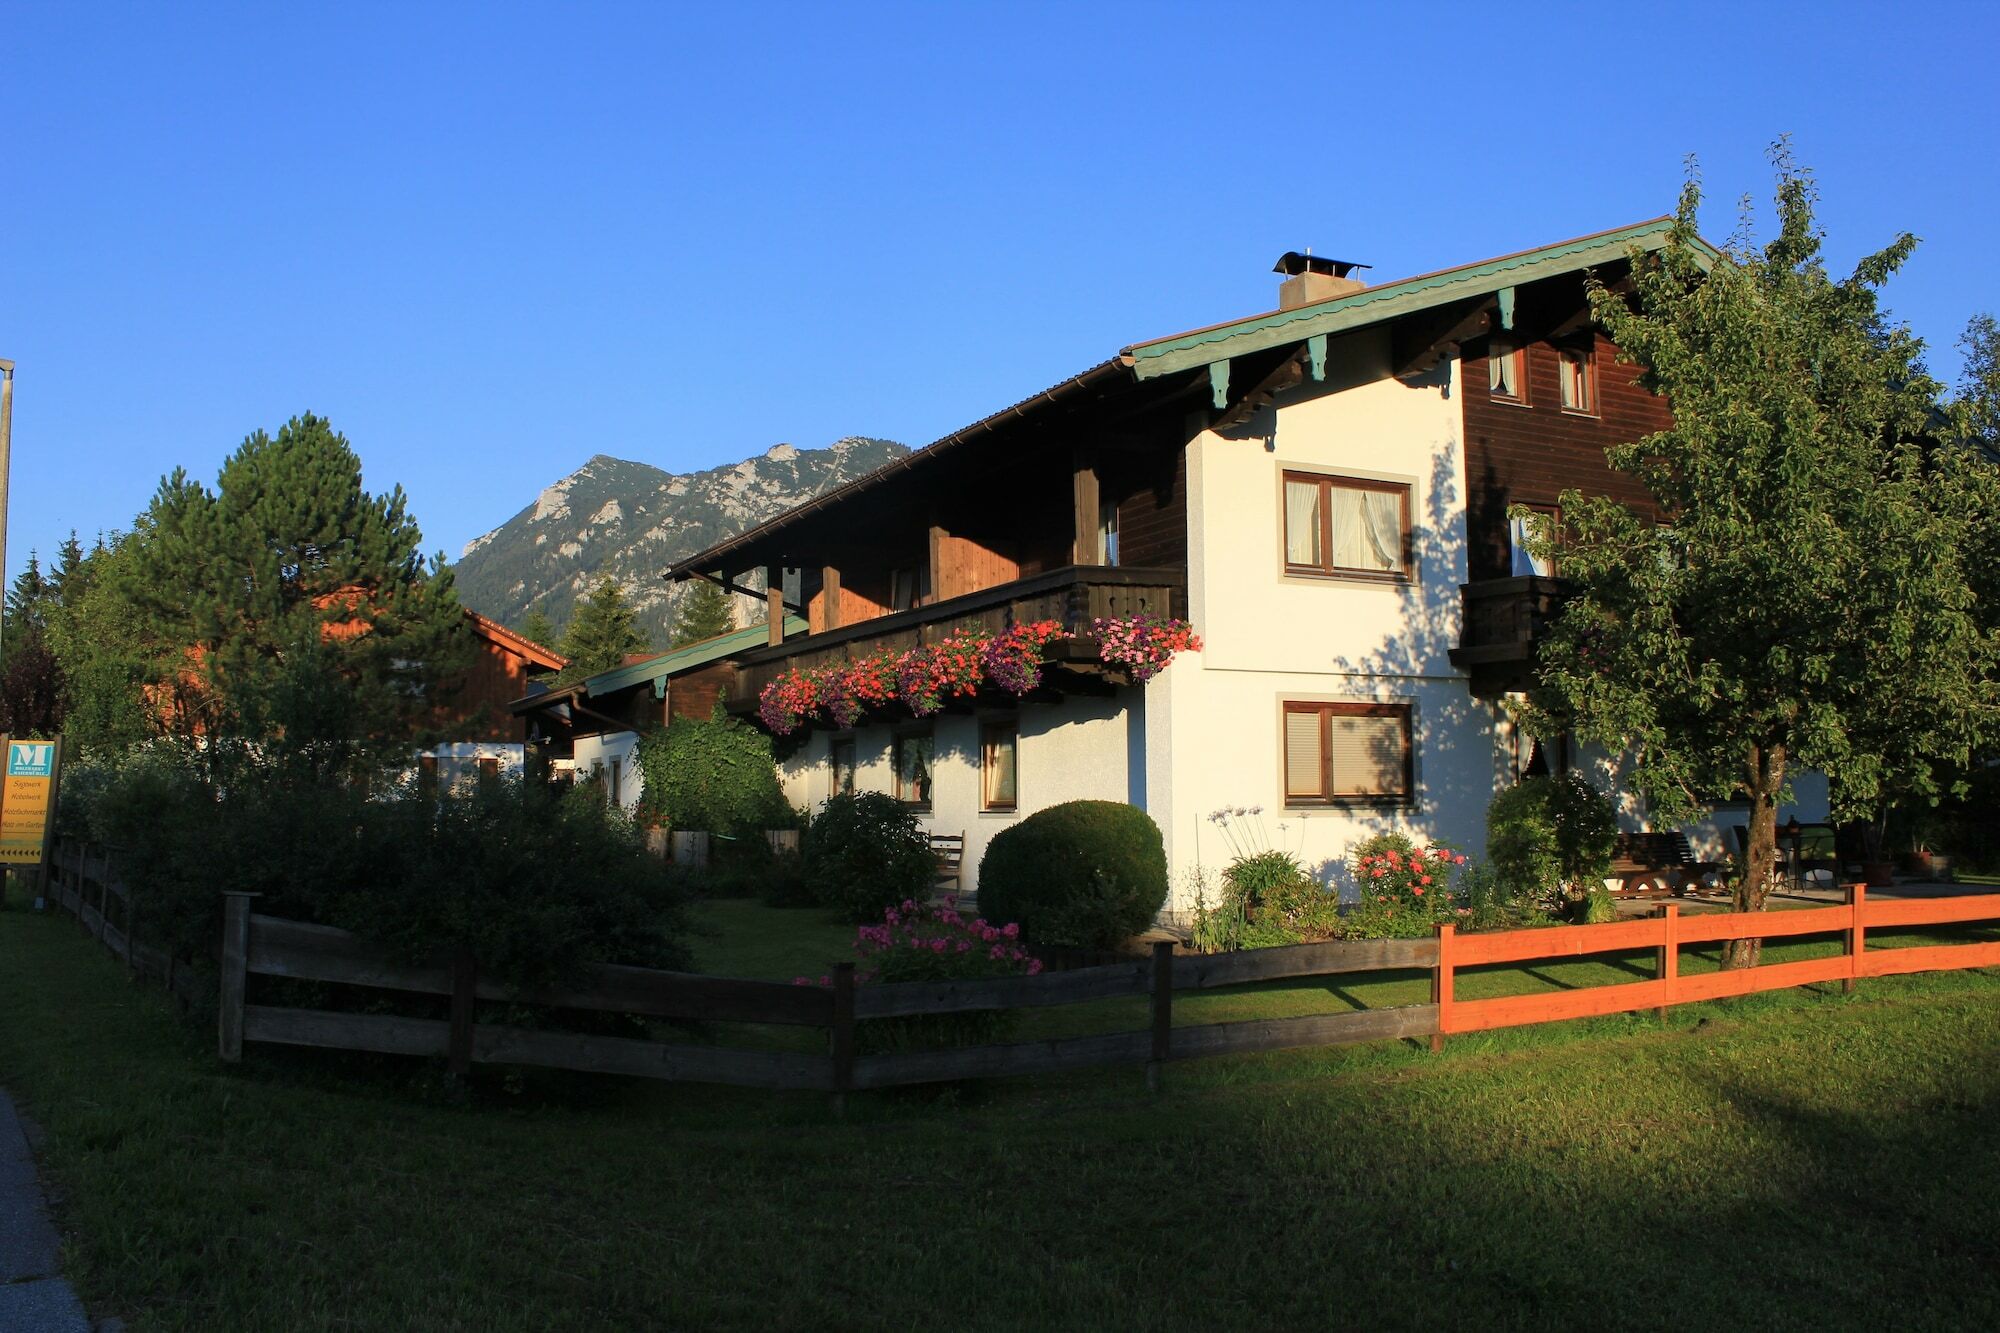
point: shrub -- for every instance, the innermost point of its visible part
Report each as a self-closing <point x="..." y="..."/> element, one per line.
<point x="865" y="853"/>
<point x="1087" y="874"/>
<point x="920" y="943"/>
<point x="1280" y="902"/>
<point x="1551" y="839"/>
<point x="712" y="775"/>
<point x="538" y="884"/>
<point x="1405" y="889"/>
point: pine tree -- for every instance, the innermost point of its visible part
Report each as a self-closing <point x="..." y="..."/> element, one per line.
<point x="288" y="570"/>
<point x="27" y="603"/>
<point x="704" y="613"/>
<point x="601" y="633"/>
<point x="536" y="628"/>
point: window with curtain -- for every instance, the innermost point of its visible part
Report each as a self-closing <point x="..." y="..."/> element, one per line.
<point x="915" y="752"/>
<point x="1346" y="526"/>
<point x="1504" y="370"/>
<point x="1578" y="379"/>
<point x="999" y="744"/>
<point x="841" y="762"/>
<point x="1517" y="538"/>
<point x="1107" y="531"/>
<point x="1348" y="753"/>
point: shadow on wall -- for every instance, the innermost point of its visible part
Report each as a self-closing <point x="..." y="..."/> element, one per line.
<point x="1455" y="759"/>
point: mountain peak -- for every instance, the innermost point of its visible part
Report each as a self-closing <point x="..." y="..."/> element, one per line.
<point x="630" y="520"/>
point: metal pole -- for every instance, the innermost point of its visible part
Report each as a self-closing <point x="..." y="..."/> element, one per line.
<point x="6" y="454"/>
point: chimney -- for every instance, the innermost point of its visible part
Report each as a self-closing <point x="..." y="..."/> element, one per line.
<point x="1309" y="278"/>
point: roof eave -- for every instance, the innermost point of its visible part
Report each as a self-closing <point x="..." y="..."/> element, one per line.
<point x="1371" y="305"/>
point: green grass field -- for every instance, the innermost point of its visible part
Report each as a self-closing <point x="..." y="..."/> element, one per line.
<point x="1801" y="1159"/>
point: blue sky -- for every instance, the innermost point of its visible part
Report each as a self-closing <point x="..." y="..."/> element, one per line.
<point x="490" y="242"/>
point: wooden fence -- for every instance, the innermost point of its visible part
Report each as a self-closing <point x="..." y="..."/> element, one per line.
<point x="260" y="945"/>
<point x="83" y="882"/>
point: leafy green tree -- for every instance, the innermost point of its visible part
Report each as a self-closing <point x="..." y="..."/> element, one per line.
<point x="1805" y="597"/>
<point x="289" y="567"/>
<point x="601" y="633"/>
<point x="704" y="613"/>
<point x="94" y="634"/>
<point x="1976" y="411"/>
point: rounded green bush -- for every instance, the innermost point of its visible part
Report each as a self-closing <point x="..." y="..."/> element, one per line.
<point x="865" y="853"/>
<point x="1551" y="839"/>
<point x="1088" y="874"/>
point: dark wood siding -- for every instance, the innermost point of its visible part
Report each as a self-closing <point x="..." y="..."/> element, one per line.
<point x="696" y="693"/>
<point x="474" y="707"/>
<point x="1152" y="512"/>
<point x="1531" y="454"/>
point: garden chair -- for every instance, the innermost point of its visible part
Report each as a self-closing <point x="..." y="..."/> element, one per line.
<point x="949" y="849"/>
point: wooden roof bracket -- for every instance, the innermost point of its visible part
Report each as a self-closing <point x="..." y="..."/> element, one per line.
<point x="1421" y="343"/>
<point x="1287" y="373"/>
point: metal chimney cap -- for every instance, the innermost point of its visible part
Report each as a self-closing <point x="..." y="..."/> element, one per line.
<point x="1292" y="263"/>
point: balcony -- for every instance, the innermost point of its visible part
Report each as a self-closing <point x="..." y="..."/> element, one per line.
<point x="1073" y="595"/>
<point x="1505" y="621"/>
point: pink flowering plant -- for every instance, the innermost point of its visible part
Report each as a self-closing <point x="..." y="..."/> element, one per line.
<point x="933" y="942"/>
<point x="1013" y="659"/>
<point x="1405" y="887"/>
<point x="789" y="700"/>
<point x="924" y="679"/>
<point x="1143" y="645"/>
<point x="929" y="676"/>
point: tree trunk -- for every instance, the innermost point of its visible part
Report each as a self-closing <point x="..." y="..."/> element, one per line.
<point x="1760" y="858"/>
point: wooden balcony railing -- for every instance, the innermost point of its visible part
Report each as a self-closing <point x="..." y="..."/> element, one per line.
<point x="1074" y="595"/>
<point x="1504" y="623"/>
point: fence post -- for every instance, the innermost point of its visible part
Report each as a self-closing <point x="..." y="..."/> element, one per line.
<point x="235" y="971"/>
<point x="464" y="994"/>
<point x="1163" y="1012"/>
<point x="1668" y="959"/>
<point x="840" y="1035"/>
<point x="1441" y="983"/>
<point x="103" y="896"/>
<point x="1857" y="934"/>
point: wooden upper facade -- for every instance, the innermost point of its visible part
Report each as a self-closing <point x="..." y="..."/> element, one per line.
<point x="474" y="708"/>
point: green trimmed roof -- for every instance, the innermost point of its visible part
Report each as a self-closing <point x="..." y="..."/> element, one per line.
<point x="673" y="663"/>
<point x="1201" y="347"/>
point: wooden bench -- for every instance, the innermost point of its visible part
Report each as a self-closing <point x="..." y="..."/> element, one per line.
<point x="949" y="849"/>
<point x="1652" y="865"/>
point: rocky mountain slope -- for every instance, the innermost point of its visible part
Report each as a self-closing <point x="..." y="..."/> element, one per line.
<point x="631" y="520"/>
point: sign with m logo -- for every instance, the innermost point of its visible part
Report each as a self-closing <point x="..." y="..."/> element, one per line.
<point x="28" y="800"/>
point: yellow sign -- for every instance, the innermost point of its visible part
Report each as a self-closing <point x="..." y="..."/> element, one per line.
<point x="28" y="800"/>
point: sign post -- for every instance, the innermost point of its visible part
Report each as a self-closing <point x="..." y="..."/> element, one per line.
<point x="28" y="806"/>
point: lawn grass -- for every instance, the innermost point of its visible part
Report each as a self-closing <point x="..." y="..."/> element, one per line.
<point x="1799" y="1159"/>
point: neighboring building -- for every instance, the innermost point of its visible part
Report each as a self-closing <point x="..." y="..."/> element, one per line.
<point x="1321" y="489"/>
<point x="591" y="728"/>
<point x="478" y="735"/>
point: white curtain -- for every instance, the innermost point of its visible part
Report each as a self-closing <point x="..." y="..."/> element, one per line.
<point x="1384" y="513"/>
<point x="1302" y="523"/>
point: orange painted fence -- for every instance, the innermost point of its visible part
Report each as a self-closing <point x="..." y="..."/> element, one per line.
<point x="1667" y="933"/>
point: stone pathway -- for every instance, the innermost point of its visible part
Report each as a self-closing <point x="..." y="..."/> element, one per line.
<point x="33" y="1296"/>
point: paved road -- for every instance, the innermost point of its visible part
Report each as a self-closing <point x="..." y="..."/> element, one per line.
<point x="33" y="1296"/>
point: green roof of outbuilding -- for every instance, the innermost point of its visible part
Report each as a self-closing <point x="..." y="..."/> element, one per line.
<point x="1200" y="347"/>
<point x="702" y="654"/>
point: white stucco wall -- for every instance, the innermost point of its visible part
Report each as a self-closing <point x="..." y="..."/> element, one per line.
<point x="1214" y="719"/>
<point x="592" y="751"/>
<point x="1075" y="750"/>
<point x="459" y="761"/>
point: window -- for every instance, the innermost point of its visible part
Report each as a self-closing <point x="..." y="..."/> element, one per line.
<point x="841" y="757"/>
<point x="427" y="775"/>
<point x="617" y="788"/>
<point x="1107" y="531"/>
<point x="489" y="773"/>
<point x="1340" y="525"/>
<point x="1347" y="754"/>
<point x="909" y="588"/>
<point x="1505" y="367"/>
<point x="1578" y="376"/>
<point x="914" y="756"/>
<point x="999" y="744"/>
<point x="1517" y="538"/>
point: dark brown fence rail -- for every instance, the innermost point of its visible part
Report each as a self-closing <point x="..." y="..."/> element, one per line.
<point x="83" y="882"/>
<point x="255" y="945"/>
